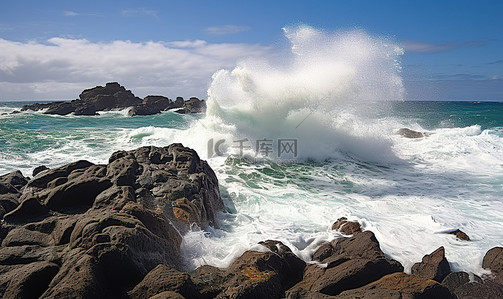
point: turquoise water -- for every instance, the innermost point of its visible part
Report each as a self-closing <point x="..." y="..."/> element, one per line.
<point x="412" y="192"/>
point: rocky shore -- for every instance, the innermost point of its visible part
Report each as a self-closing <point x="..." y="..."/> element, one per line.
<point x="85" y="230"/>
<point x="113" y="96"/>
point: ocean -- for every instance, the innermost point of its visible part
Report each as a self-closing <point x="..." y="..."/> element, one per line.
<point x="299" y="142"/>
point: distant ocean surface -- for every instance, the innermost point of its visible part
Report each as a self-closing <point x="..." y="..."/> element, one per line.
<point x="409" y="192"/>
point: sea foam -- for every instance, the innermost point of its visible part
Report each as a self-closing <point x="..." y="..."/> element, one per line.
<point x="314" y="93"/>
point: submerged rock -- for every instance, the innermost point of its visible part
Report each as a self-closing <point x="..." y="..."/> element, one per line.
<point x="87" y="230"/>
<point x="460" y="235"/>
<point x="408" y="133"/>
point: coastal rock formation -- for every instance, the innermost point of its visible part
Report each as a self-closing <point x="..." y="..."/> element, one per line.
<point x="87" y="230"/>
<point x="154" y="104"/>
<point x="84" y="230"/>
<point x="398" y="286"/>
<point x="433" y="266"/>
<point x="113" y="96"/>
<point x="193" y="105"/>
<point x="350" y="263"/>
<point x="408" y="133"/>
<point x="346" y="227"/>
<point x="493" y="260"/>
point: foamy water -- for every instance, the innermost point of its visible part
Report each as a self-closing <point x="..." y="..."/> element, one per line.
<point x="338" y="95"/>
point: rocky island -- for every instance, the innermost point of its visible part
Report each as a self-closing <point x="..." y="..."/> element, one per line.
<point x="85" y="230"/>
<point x="113" y="96"/>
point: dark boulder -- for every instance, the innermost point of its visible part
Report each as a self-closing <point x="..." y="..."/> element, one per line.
<point x="464" y="285"/>
<point x="400" y="285"/>
<point x="143" y="110"/>
<point x="460" y="235"/>
<point x="10" y="191"/>
<point x="103" y="226"/>
<point x="111" y="96"/>
<point x="349" y="263"/>
<point x="493" y="260"/>
<point x="408" y="133"/>
<point x="61" y="108"/>
<point x="163" y="278"/>
<point x="346" y="227"/>
<point x="211" y="281"/>
<point x="433" y="266"/>
<point x="160" y="103"/>
<point x="193" y="105"/>
<point x="39" y="169"/>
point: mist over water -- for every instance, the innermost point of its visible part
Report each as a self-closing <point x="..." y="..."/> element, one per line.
<point x="316" y="93"/>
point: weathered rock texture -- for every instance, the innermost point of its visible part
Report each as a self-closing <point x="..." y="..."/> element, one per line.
<point x="433" y="266"/>
<point x="93" y="231"/>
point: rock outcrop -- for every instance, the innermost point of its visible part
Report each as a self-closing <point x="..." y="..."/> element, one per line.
<point x="87" y="230"/>
<point x="113" y="96"/>
<point x="347" y="227"/>
<point x="408" y="133"/>
<point x="193" y="105"/>
<point x="433" y="266"/>
<point x="349" y="263"/>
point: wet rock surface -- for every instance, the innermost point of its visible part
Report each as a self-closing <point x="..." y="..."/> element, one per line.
<point x="91" y="231"/>
<point x="84" y="230"/>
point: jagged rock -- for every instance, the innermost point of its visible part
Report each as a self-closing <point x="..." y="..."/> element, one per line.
<point x="464" y="286"/>
<point x="163" y="278"/>
<point x="400" y="285"/>
<point x="160" y="103"/>
<point x="362" y="245"/>
<point x="433" y="266"/>
<point x="113" y="96"/>
<point x="104" y="226"/>
<point x="193" y="105"/>
<point x="493" y="260"/>
<point x="252" y="275"/>
<point x="277" y="265"/>
<point x="350" y="263"/>
<point x="60" y="108"/>
<point x="10" y="186"/>
<point x="346" y="227"/>
<point x="408" y="133"/>
<point x="210" y="281"/>
<point x="461" y="235"/>
<point x="39" y="169"/>
<point x="15" y="179"/>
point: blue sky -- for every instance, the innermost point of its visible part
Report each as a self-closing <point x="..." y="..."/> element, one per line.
<point x="54" y="49"/>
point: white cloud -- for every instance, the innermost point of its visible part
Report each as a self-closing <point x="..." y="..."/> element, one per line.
<point x="226" y="29"/>
<point x="61" y="68"/>
<point x="140" y="12"/>
<point x="69" y="13"/>
<point x="422" y="47"/>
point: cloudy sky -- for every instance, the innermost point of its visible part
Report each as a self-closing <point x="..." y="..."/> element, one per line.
<point x="54" y="49"/>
